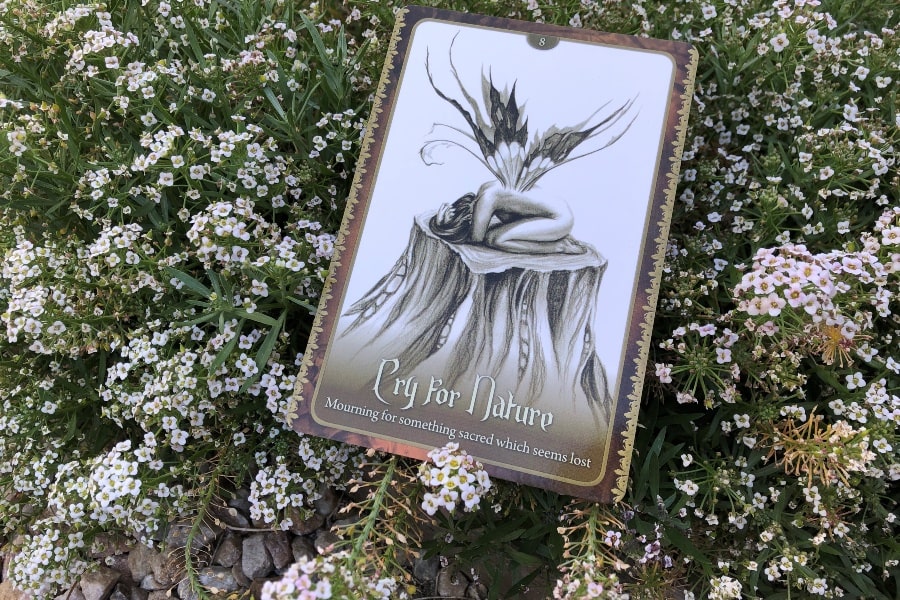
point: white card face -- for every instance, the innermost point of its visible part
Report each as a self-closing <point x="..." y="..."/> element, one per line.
<point x="609" y="192"/>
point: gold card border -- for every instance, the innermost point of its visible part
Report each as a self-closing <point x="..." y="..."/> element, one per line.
<point x="612" y="484"/>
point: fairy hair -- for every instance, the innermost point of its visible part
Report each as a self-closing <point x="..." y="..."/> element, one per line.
<point x="456" y="224"/>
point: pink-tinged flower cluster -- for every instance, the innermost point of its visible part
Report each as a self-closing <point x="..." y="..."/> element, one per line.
<point x="456" y="477"/>
<point x="586" y="580"/>
<point x="833" y="296"/>
<point x="791" y="276"/>
<point x="330" y="576"/>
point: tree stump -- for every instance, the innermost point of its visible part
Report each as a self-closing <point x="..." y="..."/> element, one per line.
<point x="465" y="310"/>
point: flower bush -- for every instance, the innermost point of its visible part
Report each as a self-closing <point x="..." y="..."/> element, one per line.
<point x="455" y="478"/>
<point x="172" y="176"/>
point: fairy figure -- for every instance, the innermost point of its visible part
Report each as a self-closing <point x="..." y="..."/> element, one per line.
<point x="530" y="222"/>
<point x="527" y="324"/>
<point x="511" y="213"/>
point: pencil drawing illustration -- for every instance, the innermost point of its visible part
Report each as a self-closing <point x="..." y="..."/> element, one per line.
<point x="494" y="283"/>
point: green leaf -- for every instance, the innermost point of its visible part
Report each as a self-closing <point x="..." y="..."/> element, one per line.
<point x="226" y="350"/>
<point x="312" y="309"/>
<point x="521" y="585"/>
<point x="273" y="100"/>
<point x="101" y="368"/>
<point x="204" y="318"/>
<point x="195" y="45"/>
<point x="255" y="316"/>
<point x="148" y="208"/>
<point x="71" y="428"/>
<point x="332" y="74"/>
<point x="778" y="511"/>
<point x="828" y="377"/>
<point x="189" y="282"/>
<point x="648" y="478"/>
<point x="522" y="558"/>
<point x="829" y="549"/>
<point x="687" y="547"/>
<point x="216" y="283"/>
<point x="265" y="350"/>
<point x="506" y="532"/>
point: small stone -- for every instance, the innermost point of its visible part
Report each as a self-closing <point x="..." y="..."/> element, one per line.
<point x="186" y="592"/>
<point x="139" y="594"/>
<point x="108" y="544"/>
<point x="218" y="579"/>
<point x="229" y="551"/>
<point x="301" y="547"/>
<point x="178" y="535"/>
<point x="71" y="594"/>
<point x="326" y="541"/>
<point x="96" y="585"/>
<point x="120" y="593"/>
<point x="342" y="523"/>
<point x="255" y="560"/>
<point x="151" y="583"/>
<point x="168" y="571"/>
<point x="426" y="569"/>
<point x="279" y="548"/>
<point x="119" y="563"/>
<point x="159" y="595"/>
<point x="477" y="591"/>
<point x="239" y="576"/>
<point x="241" y="501"/>
<point x="301" y="526"/>
<point x="140" y="561"/>
<point x="231" y="516"/>
<point x="8" y="592"/>
<point x="326" y="504"/>
<point x="451" y="582"/>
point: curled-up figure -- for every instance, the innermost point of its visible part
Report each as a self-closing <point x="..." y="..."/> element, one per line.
<point x="531" y="222"/>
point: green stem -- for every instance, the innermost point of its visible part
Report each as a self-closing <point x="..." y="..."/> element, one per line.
<point x="590" y="533"/>
<point x="205" y="500"/>
<point x="375" y="508"/>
